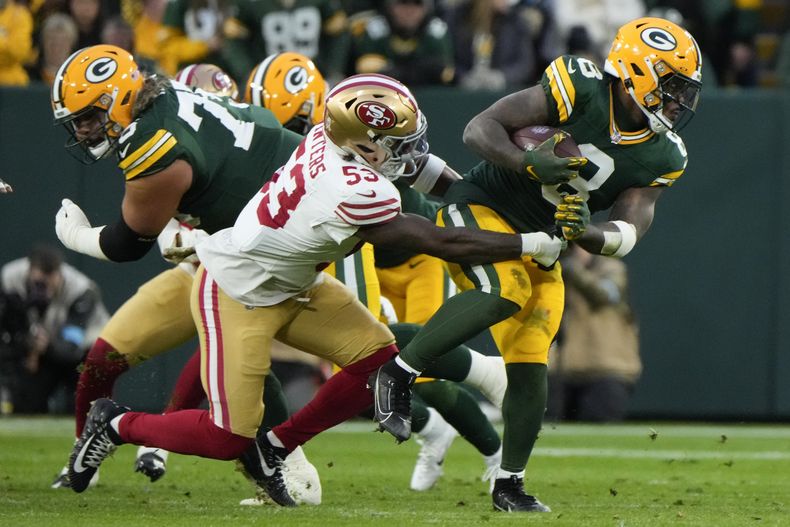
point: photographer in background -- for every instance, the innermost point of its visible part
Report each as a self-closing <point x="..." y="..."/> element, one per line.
<point x="595" y="363"/>
<point x="50" y="313"/>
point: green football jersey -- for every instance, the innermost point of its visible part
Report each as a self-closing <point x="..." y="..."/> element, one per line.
<point x="233" y="150"/>
<point x="309" y="27"/>
<point x="580" y="102"/>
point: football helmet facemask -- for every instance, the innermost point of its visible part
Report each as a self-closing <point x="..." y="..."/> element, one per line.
<point x="92" y="96"/>
<point x="209" y="78"/>
<point x="658" y="61"/>
<point x="291" y="87"/>
<point x="375" y="119"/>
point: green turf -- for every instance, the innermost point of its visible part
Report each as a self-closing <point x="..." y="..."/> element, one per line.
<point x="632" y="475"/>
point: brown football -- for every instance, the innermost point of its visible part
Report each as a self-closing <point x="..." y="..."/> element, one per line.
<point x="531" y="136"/>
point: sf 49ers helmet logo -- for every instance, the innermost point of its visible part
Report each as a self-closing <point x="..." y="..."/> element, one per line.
<point x="100" y="70"/>
<point x="376" y="115"/>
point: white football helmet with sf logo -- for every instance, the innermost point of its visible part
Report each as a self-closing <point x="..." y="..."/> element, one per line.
<point x="375" y="119"/>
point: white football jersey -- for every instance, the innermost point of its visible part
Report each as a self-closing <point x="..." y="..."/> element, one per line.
<point x="303" y="219"/>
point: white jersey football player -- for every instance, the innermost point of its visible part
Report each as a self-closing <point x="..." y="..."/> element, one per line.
<point x="261" y="280"/>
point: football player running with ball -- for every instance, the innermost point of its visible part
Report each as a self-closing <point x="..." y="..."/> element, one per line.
<point x="261" y="280"/>
<point x="624" y="120"/>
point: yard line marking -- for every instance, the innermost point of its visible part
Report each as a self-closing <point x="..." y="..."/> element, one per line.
<point x="770" y="455"/>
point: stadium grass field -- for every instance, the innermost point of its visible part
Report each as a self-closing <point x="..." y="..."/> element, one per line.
<point x="651" y="474"/>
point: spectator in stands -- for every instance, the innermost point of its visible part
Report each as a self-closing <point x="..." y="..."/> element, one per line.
<point x="600" y="19"/>
<point x="16" y="30"/>
<point x="317" y="29"/>
<point x="492" y="45"/>
<point x="406" y="42"/>
<point x="596" y="363"/>
<point x="89" y="18"/>
<point x="117" y="32"/>
<point x="57" y="40"/>
<point x="195" y="33"/>
<point x="145" y="17"/>
<point x="50" y="313"/>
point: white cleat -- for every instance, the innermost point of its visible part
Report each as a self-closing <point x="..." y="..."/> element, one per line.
<point x="301" y="480"/>
<point x="435" y="438"/>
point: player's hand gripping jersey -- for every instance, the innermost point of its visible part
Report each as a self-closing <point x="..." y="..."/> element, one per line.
<point x="304" y="218"/>
<point x="580" y="102"/>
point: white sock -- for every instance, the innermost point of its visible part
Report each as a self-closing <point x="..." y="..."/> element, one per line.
<point x="434" y="421"/>
<point x="296" y="455"/>
<point x="274" y="440"/>
<point x="116" y="423"/>
<point x="494" y="458"/>
<point x="405" y="366"/>
<point x="505" y="474"/>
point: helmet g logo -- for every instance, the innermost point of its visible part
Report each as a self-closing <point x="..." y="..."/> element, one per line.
<point x="295" y="80"/>
<point x="100" y="70"/>
<point x="376" y="115"/>
<point x="659" y="39"/>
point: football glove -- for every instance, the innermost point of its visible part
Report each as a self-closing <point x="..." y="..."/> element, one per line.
<point x="543" y="165"/>
<point x="544" y="248"/>
<point x="75" y="231"/>
<point x="572" y="216"/>
<point x="5" y="188"/>
<point x="177" y="242"/>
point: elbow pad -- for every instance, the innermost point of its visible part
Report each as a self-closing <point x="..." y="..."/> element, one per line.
<point x="121" y="244"/>
<point x="620" y="242"/>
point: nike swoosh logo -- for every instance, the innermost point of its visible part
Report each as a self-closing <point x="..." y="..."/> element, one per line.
<point x="268" y="472"/>
<point x="123" y="152"/>
<point x="78" y="466"/>
<point x="571" y="69"/>
<point x="415" y="264"/>
<point x="371" y="194"/>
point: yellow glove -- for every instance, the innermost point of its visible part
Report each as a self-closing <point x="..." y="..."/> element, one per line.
<point x="572" y="216"/>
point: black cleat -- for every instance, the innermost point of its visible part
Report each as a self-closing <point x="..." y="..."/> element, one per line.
<point x="263" y="462"/>
<point x="391" y="386"/>
<point x="509" y="496"/>
<point x="151" y="465"/>
<point x="96" y="443"/>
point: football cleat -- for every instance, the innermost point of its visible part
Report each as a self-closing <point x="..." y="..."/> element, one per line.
<point x="151" y="462"/>
<point x="62" y="479"/>
<point x="96" y="443"/>
<point x="263" y="462"/>
<point x="509" y="496"/>
<point x="301" y="480"/>
<point x="435" y="439"/>
<point x="391" y="386"/>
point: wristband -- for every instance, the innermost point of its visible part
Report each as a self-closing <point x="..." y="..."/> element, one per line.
<point x="620" y="242"/>
<point x="85" y="240"/>
<point x="430" y="172"/>
<point x="532" y="242"/>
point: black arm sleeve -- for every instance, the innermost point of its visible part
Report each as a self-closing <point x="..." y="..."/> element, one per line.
<point x="121" y="244"/>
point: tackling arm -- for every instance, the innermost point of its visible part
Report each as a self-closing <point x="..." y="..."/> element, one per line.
<point x="457" y="244"/>
<point x="630" y="218"/>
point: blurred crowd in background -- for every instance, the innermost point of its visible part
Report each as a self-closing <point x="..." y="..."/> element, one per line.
<point x="475" y="44"/>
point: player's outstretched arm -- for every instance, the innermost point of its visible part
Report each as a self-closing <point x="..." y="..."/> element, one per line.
<point x="457" y="244"/>
<point x="148" y="205"/>
<point x="629" y="220"/>
<point x="487" y="134"/>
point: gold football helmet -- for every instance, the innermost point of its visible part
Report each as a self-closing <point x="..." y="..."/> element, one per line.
<point x="658" y="61"/>
<point x="96" y="85"/>
<point x="209" y="78"/>
<point x="375" y="119"/>
<point x="291" y="87"/>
